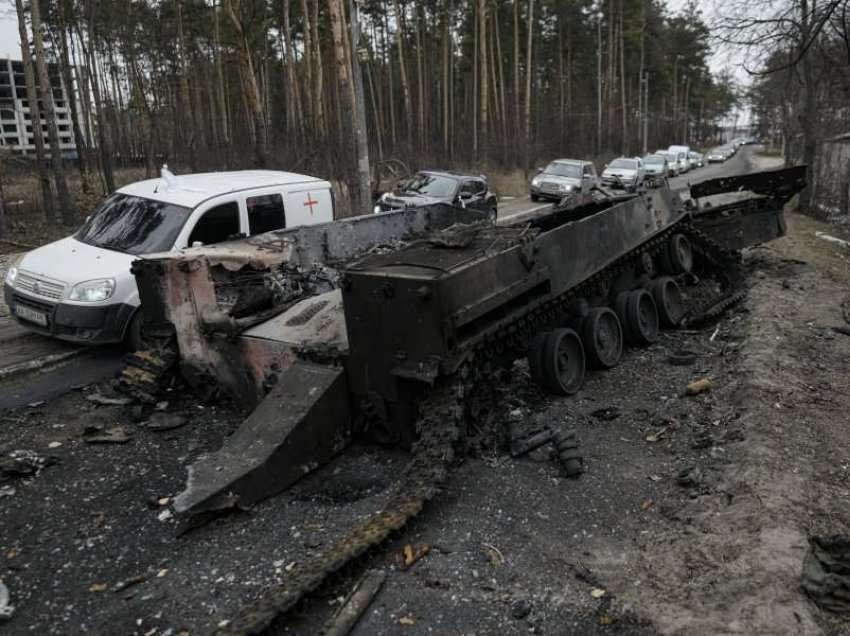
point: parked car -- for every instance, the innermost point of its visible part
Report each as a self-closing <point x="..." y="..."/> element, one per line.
<point x="672" y="162"/>
<point x="728" y="151"/>
<point x="684" y="161"/>
<point x="716" y="155"/>
<point x="657" y="168"/>
<point x="441" y="186"/>
<point x="696" y="159"/>
<point x="562" y="177"/>
<point x="80" y="288"/>
<point x="626" y="173"/>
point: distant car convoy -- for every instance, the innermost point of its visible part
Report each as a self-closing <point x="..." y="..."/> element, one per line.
<point x="80" y="288"/>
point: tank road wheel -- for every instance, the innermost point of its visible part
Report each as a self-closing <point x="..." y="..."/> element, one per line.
<point x="535" y="356"/>
<point x="620" y="305"/>
<point x="647" y="265"/>
<point x="668" y="301"/>
<point x="602" y="338"/>
<point x="642" y="317"/>
<point x="678" y="255"/>
<point x="563" y="362"/>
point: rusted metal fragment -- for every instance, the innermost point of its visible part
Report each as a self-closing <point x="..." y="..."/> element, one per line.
<point x="301" y="424"/>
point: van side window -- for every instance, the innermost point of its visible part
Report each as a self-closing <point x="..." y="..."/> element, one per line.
<point x="265" y="213"/>
<point x="217" y="224"/>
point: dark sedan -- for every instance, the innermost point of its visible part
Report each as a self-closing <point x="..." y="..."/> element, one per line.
<point x="432" y="186"/>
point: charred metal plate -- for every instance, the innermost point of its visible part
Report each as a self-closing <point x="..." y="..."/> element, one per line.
<point x="301" y="424"/>
<point x="780" y="184"/>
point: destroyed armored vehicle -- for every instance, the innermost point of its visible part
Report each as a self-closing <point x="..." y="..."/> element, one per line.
<point x="395" y="325"/>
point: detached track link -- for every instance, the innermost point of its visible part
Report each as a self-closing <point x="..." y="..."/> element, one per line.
<point x="725" y="268"/>
<point x="441" y="425"/>
<point x="440" y="421"/>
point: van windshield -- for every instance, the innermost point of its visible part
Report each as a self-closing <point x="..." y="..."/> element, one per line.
<point x="134" y="225"/>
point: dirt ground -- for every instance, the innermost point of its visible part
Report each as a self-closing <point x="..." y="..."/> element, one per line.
<point x="692" y="517"/>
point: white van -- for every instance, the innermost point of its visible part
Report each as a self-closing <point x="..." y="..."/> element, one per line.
<point x="684" y="157"/>
<point x="80" y="288"/>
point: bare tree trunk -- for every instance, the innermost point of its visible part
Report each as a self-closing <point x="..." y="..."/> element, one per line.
<point x="501" y="81"/>
<point x="104" y="140"/>
<point x="318" y="75"/>
<point x="69" y="210"/>
<point x="346" y="96"/>
<point x="476" y="72"/>
<point x="221" y="100"/>
<point x="405" y="86"/>
<point x="63" y="10"/>
<point x="361" y="141"/>
<point x="809" y="113"/>
<point x="248" y="74"/>
<point x="446" y="85"/>
<point x="35" y="115"/>
<point x="420" y="82"/>
<point x="623" y="100"/>
<point x="295" y="120"/>
<point x="188" y="123"/>
<point x="528" y="59"/>
<point x="484" y="79"/>
<point x="517" y="79"/>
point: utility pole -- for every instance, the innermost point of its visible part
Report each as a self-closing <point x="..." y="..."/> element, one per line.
<point x="364" y="178"/>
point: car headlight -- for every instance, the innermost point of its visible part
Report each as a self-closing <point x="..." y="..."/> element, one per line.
<point x="536" y="181"/>
<point x="93" y="291"/>
<point x="12" y="271"/>
<point x="376" y="209"/>
<point x="11" y="275"/>
<point x="566" y="188"/>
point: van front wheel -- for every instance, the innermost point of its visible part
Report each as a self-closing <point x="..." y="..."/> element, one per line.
<point x="133" y="339"/>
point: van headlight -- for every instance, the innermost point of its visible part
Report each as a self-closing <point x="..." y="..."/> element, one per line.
<point x="93" y="291"/>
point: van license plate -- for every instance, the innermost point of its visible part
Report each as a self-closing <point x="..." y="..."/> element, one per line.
<point x="32" y="315"/>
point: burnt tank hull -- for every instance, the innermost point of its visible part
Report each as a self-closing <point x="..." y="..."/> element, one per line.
<point x="414" y="313"/>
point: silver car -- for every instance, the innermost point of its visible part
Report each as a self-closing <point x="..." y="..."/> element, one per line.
<point x="624" y="173"/>
<point x="716" y="155"/>
<point x="657" y="168"/>
<point x="561" y="178"/>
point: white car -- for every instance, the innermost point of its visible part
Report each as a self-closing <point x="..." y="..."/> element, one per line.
<point x="80" y="288"/>
<point x="625" y="173"/>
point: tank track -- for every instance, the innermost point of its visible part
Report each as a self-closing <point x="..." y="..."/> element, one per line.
<point x="440" y="425"/>
<point x="442" y="420"/>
